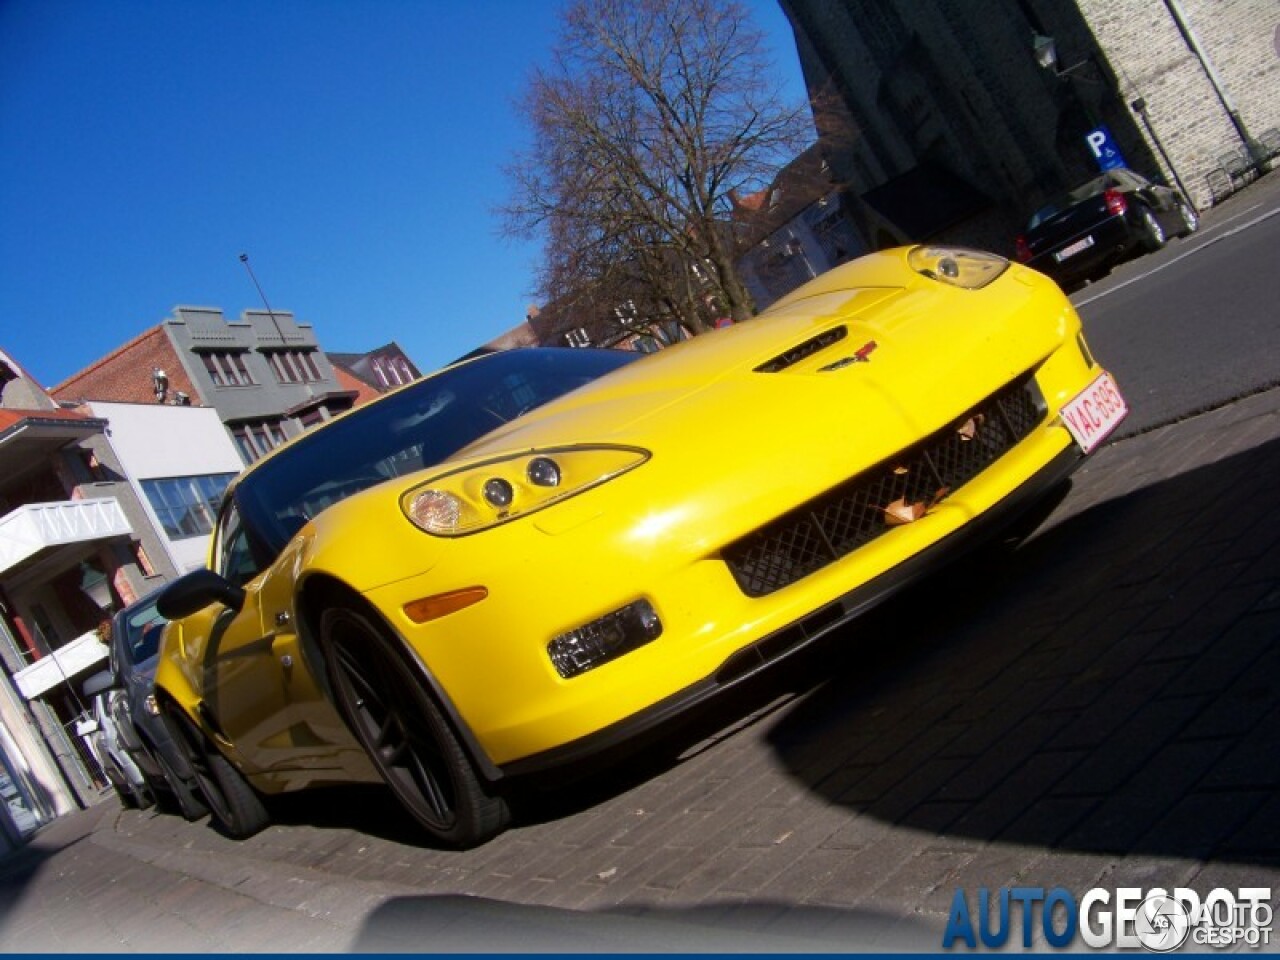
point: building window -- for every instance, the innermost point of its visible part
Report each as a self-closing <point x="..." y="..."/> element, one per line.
<point x="294" y="366"/>
<point x="227" y="368"/>
<point x="186" y="506"/>
<point x="247" y="451"/>
<point x="400" y="368"/>
<point x="836" y="237"/>
<point x="258" y="438"/>
<point x="392" y="371"/>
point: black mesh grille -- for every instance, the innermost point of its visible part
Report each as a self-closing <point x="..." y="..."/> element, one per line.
<point x="852" y="514"/>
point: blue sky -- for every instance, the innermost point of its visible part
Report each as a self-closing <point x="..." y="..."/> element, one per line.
<point x="353" y="149"/>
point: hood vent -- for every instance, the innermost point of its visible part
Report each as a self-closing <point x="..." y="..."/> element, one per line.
<point x="802" y="350"/>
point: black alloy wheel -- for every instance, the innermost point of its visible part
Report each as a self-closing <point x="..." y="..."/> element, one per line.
<point x="410" y="742"/>
<point x="190" y="805"/>
<point x="235" y="805"/>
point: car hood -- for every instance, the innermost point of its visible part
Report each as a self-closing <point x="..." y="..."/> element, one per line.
<point x="873" y="350"/>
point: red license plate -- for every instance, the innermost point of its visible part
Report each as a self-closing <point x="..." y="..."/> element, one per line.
<point x="1095" y="412"/>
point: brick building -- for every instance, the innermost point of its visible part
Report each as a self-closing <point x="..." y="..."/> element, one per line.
<point x="947" y="124"/>
<point x="264" y="374"/>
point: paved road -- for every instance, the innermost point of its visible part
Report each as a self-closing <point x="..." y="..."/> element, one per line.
<point x="1197" y="324"/>
<point x="1099" y="708"/>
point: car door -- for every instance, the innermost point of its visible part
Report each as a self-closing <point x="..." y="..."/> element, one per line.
<point x="257" y="690"/>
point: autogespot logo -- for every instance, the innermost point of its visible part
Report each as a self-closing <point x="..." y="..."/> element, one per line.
<point x="1125" y="918"/>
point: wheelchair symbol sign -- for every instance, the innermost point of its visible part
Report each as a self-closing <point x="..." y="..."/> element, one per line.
<point x="1104" y="149"/>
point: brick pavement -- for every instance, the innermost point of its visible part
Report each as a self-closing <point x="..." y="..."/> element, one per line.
<point x="1098" y="707"/>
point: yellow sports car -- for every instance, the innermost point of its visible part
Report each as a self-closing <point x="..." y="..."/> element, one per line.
<point x="534" y="555"/>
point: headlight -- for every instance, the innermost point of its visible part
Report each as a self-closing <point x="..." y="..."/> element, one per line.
<point x="970" y="269"/>
<point x="483" y="495"/>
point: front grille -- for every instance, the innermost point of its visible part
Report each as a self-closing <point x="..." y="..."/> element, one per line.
<point x="845" y="518"/>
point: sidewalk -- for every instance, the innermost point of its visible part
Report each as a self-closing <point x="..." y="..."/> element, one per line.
<point x="1100" y="707"/>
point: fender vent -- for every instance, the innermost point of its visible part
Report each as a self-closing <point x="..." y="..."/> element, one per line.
<point x="802" y="350"/>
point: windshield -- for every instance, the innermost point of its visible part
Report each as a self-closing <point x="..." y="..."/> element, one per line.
<point x="143" y="626"/>
<point x="410" y="430"/>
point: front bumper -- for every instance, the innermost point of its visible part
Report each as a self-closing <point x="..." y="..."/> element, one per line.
<point x="791" y="639"/>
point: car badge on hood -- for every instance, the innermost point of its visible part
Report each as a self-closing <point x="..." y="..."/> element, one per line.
<point x="863" y="355"/>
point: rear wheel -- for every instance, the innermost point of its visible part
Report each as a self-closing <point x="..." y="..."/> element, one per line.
<point x="235" y="805"/>
<point x="1152" y="232"/>
<point x="404" y="732"/>
<point x="134" y="797"/>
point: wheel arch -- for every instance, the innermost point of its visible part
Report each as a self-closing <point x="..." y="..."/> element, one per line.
<point x="321" y="591"/>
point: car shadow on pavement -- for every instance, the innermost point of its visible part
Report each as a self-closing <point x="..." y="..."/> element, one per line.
<point x="1112" y="686"/>
<point x="370" y="809"/>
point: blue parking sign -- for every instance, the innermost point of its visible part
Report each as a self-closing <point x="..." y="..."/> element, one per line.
<point x="1103" y="147"/>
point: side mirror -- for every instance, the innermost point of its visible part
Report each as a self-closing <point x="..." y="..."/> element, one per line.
<point x="195" y="591"/>
<point x="98" y="683"/>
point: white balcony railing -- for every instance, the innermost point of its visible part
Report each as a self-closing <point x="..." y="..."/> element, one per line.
<point x="68" y="660"/>
<point x="30" y="529"/>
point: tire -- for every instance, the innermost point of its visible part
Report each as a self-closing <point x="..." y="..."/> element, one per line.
<point x="189" y="804"/>
<point x="1152" y="233"/>
<point x="399" y="725"/>
<point x="234" y="804"/>
<point x="126" y="798"/>
<point x="1190" y="219"/>
<point x="132" y="796"/>
<point x="144" y="796"/>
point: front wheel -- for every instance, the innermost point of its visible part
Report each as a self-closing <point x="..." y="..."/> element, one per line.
<point x="235" y="805"/>
<point x="404" y="732"/>
<point x="1190" y="219"/>
<point x="184" y="795"/>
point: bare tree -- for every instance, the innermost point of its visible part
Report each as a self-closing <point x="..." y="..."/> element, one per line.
<point x="649" y="114"/>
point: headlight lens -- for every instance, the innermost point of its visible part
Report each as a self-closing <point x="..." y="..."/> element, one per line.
<point x="543" y="471"/>
<point x="957" y="266"/>
<point x="483" y="495"/>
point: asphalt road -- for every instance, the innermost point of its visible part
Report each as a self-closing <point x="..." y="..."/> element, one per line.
<point x="1197" y="324"/>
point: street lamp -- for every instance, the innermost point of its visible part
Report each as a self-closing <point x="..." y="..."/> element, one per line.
<point x="1046" y="54"/>
<point x="1140" y="108"/>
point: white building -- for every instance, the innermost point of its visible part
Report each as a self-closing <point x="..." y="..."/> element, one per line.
<point x="179" y="460"/>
